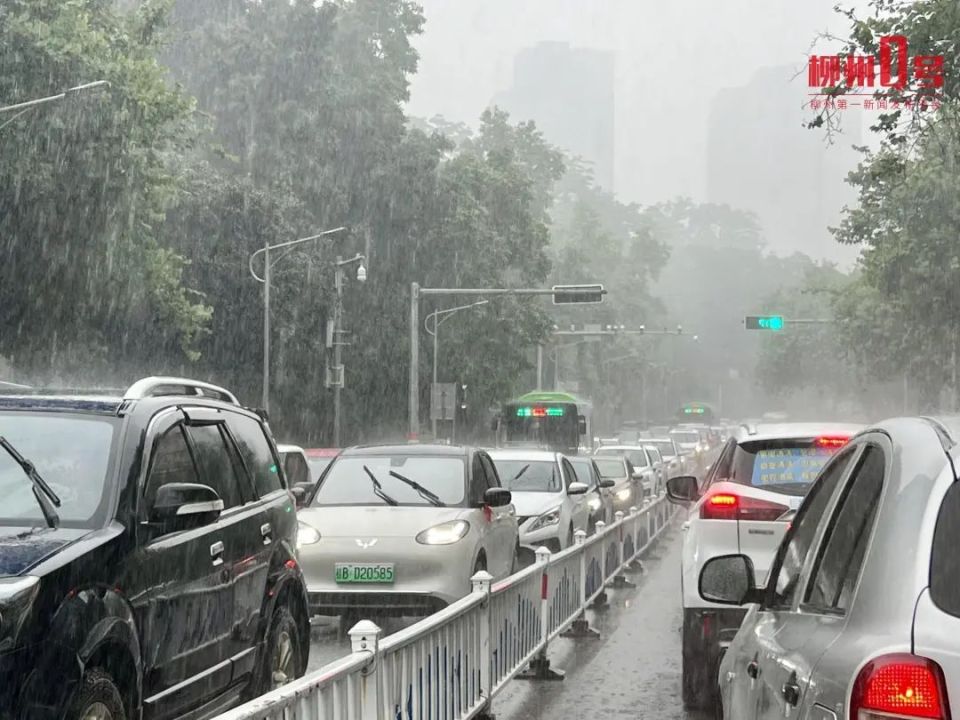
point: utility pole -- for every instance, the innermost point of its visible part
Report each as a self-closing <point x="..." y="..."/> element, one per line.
<point x="266" y="327"/>
<point x="562" y="295"/>
<point x="337" y="353"/>
<point x="539" y="367"/>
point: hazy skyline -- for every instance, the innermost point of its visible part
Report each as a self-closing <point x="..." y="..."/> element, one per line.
<point x="671" y="62"/>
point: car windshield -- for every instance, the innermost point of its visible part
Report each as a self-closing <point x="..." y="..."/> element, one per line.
<point x="582" y="468"/>
<point x="609" y="468"/>
<point x="318" y="465"/>
<point x="686" y="438"/>
<point x="636" y="456"/>
<point x="529" y="475"/>
<point x="666" y="448"/>
<point x="72" y="453"/>
<point x="788" y="466"/>
<point x="349" y="481"/>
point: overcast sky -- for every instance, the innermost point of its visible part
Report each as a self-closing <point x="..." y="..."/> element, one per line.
<point x="672" y="59"/>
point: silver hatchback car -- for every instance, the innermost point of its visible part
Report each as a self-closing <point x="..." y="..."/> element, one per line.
<point x="860" y="617"/>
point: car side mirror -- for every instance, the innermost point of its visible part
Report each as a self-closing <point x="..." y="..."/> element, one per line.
<point x="497" y="497"/>
<point x="301" y="491"/>
<point x="607" y="483"/>
<point x="578" y="488"/>
<point x="729" y="580"/>
<point x="181" y="505"/>
<point x="683" y="489"/>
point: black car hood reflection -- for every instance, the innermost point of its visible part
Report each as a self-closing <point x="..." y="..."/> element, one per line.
<point x="22" y="547"/>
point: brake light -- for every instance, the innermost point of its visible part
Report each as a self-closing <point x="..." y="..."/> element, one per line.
<point x="899" y="686"/>
<point x="833" y="441"/>
<point x="727" y="506"/>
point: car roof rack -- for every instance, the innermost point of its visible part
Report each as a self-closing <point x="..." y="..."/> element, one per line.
<point x="166" y="386"/>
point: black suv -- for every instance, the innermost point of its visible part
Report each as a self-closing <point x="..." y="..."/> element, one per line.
<point x="148" y="563"/>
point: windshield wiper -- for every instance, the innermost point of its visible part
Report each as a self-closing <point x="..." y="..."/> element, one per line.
<point x="378" y="488"/>
<point x="522" y="471"/>
<point x="46" y="497"/>
<point x="424" y="493"/>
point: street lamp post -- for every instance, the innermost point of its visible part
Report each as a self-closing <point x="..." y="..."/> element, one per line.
<point x="23" y="107"/>
<point x="267" y="265"/>
<point x="435" y="332"/>
<point x="340" y="264"/>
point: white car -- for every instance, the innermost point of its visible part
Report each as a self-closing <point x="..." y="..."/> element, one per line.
<point x="672" y="459"/>
<point x="400" y="530"/>
<point x="551" y="503"/>
<point x="644" y="471"/>
<point x="744" y="505"/>
<point x="296" y="468"/>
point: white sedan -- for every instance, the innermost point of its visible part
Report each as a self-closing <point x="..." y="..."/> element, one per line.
<point x="551" y="504"/>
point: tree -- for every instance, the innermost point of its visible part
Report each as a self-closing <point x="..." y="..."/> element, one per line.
<point x="84" y="285"/>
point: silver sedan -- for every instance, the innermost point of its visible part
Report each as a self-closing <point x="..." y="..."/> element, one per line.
<point x="860" y="617"/>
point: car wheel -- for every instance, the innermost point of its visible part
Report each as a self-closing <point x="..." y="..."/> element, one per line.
<point x="480" y="564"/>
<point x="515" y="563"/>
<point x="282" y="661"/>
<point x="98" y="698"/>
<point x="698" y="681"/>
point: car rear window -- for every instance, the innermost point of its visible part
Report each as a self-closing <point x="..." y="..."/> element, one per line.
<point x="689" y="438"/>
<point x="781" y="465"/>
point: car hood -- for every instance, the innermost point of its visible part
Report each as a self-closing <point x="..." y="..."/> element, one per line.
<point x="529" y="504"/>
<point x="22" y="547"/>
<point x="377" y="521"/>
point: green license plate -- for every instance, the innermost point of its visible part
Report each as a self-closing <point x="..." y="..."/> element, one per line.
<point x="364" y="572"/>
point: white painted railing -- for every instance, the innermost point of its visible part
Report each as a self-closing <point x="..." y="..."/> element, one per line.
<point x="451" y="665"/>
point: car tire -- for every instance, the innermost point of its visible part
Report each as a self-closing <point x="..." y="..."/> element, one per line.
<point x="697" y="679"/>
<point x="282" y="661"/>
<point x="569" y="538"/>
<point x="98" y="696"/>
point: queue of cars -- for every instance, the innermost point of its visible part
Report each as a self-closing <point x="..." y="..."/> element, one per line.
<point x="841" y="586"/>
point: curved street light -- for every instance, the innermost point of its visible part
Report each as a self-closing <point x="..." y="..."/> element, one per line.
<point x="437" y="322"/>
<point x="265" y="280"/>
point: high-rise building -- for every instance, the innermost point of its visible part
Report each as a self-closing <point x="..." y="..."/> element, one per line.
<point x="569" y="93"/>
<point x="761" y="157"/>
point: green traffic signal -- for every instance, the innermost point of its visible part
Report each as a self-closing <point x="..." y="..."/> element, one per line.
<point x="763" y="322"/>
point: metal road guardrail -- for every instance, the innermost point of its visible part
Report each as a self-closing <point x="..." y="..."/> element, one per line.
<point x="450" y="665"/>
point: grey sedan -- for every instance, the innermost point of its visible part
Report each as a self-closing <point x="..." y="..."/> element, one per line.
<point x="860" y="617"/>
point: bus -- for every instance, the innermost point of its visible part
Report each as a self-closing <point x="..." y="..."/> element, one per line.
<point x="698" y="413"/>
<point x="555" y="421"/>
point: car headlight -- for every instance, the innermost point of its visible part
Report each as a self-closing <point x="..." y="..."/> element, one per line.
<point x="445" y="533"/>
<point x="550" y="517"/>
<point x="624" y="494"/>
<point x="306" y="535"/>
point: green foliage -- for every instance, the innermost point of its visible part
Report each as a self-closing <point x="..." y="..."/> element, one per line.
<point x="83" y="185"/>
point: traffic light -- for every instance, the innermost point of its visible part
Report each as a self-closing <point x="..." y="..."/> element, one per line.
<point x="763" y="322"/>
<point x="578" y="294"/>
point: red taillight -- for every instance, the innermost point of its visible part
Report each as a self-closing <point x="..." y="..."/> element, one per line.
<point x="727" y="506"/>
<point x="899" y="686"/>
<point x="833" y="441"/>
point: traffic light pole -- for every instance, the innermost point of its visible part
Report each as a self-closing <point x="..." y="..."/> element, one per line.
<point x="416" y="292"/>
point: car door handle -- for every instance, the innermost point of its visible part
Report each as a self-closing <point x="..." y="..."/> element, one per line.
<point x="266" y="532"/>
<point x="216" y="553"/>
<point x="753" y="670"/>
<point x="791" y="692"/>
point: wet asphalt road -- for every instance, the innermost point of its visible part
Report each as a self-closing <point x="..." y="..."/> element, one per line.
<point x="631" y="671"/>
